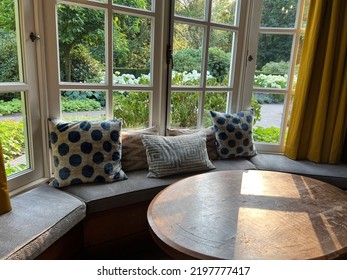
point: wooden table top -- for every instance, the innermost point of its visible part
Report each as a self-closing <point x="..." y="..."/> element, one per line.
<point x="250" y="215"/>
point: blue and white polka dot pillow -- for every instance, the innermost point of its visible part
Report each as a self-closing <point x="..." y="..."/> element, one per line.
<point x="234" y="134"/>
<point x="86" y="151"/>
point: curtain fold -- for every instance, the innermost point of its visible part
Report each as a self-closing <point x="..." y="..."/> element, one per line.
<point x="318" y="122"/>
<point x="5" y="204"/>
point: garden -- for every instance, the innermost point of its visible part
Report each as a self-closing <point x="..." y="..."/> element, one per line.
<point x="81" y="61"/>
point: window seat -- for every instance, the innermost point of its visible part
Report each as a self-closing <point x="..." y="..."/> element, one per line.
<point x="38" y="219"/>
<point x="112" y="218"/>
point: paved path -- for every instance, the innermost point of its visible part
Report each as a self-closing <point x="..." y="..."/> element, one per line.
<point x="271" y="115"/>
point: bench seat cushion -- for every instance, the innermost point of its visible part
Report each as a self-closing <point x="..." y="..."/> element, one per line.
<point x="138" y="188"/>
<point x="38" y="218"/>
<point x="330" y="173"/>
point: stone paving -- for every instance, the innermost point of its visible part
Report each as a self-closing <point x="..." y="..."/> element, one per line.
<point x="271" y="115"/>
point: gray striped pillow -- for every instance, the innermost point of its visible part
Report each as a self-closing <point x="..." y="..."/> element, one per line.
<point x="168" y="155"/>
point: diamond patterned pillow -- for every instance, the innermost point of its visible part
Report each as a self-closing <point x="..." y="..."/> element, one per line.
<point x="133" y="151"/>
<point x="167" y="155"/>
<point x="86" y="151"/>
<point x="234" y="134"/>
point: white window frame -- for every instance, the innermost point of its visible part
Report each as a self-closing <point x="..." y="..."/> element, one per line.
<point x="158" y="71"/>
<point x="254" y="30"/>
<point x="236" y="85"/>
<point x="34" y="112"/>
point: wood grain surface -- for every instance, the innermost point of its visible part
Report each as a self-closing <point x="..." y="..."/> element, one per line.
<point x="250" y="215"/>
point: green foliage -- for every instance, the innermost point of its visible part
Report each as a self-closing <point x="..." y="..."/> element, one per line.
<point x="256" y="106"/>
<point x="276" y="68"/>
<point x="12" y="139"/>
<point x="184" y="115"/>
<point x="85" y="94"/>
<point x="8" y="57"/>
<point x="190" y="59"/>
<point x="7" y="15"/>
<point x="10" y="107"/>
<point x="85" y="67"/>
<point x="75" y="105"/>
<point x="267" y="135"/>
<point x="132" y="107"/>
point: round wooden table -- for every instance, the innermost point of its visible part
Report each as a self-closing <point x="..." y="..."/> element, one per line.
<point x="250" y="215"/>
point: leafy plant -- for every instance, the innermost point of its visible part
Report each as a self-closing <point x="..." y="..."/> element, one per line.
<point x="10" y="107"/>
<point x="12" y="139"/>
<point x="75" y="105"/>
<point x="267" y="135"/>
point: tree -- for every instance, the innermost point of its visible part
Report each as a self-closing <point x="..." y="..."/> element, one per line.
<point x="7" y="21"/>
<point x="77" y="25"/>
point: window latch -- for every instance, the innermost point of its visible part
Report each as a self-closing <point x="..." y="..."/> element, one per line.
<point x="34" y="37"/>
<point x="250" y="58"/>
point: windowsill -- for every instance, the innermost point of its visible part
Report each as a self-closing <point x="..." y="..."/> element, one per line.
<point x="27" y="187"/>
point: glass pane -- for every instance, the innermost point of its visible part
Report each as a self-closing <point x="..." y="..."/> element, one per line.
<point x="219" y="57"/>
<point x="298" y="59"/>
<point x="139" y="4"/>
<point x="13" y="132"/>
<point x="279" y="13"/>
<point x="187" y="54"/>
<point x="273" y="61"/>
<point x="131" y="49"/>
<point x="224" y="11"/>
<point x="184" y="109"/>
<point x="305" y="16"/>
<point x="132" y="107"/>
<point x="190" y="8"/>
<point x="214" y="101"/>
<point x="83" y="105"/>
<point x="268" y="117"/>
<point x="81" y="44"/>
<point x="9" y="46"/>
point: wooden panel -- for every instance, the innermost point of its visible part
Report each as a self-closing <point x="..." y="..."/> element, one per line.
<point x="68" y="247"/>
<point x="114" y="224"/>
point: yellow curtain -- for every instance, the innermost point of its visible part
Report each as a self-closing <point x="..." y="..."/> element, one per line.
<point x="318" y="122"/>
<point x="5" y="204"/>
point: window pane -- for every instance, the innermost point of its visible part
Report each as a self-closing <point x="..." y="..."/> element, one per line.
<point x="81" y="44"/>
<point x="268" y="120"/>
<point x="298" y="59"/>
<point x="190" y="8"/>
<point x="9" y="46"/>
<point x="273" y="61"/>
<point x="83" y="105"/>
<point x="139" y="4"/>
<point x="13" y="132"/>
<point x="132" y="107"/>
<point x="278" y="13"/>
<point x="187" y="54"/>
<point x="184" y="109"/>
<point x="219" y="57"/>
<point x="132" y="49"/>
<point x="305" y="16"/>
<point x="214" y="101"/>
<point x="224" y="11"/>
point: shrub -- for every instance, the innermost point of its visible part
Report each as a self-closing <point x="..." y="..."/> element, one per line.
<point x="12" y="139"/>
<point x="189" y="60"/>
<point x="75" y="105"/>
<point x="85" y="68"/>
<point x="8" y="57"/>
<point x="10" y="107"/>
<point x="267" y="135"/>
<point x="276" y="68"/>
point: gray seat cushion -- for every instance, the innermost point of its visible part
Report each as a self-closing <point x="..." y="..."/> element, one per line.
<point x="138" y="187"/>
<point x="38" y="218"/>
<point x="329" y="173"/>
